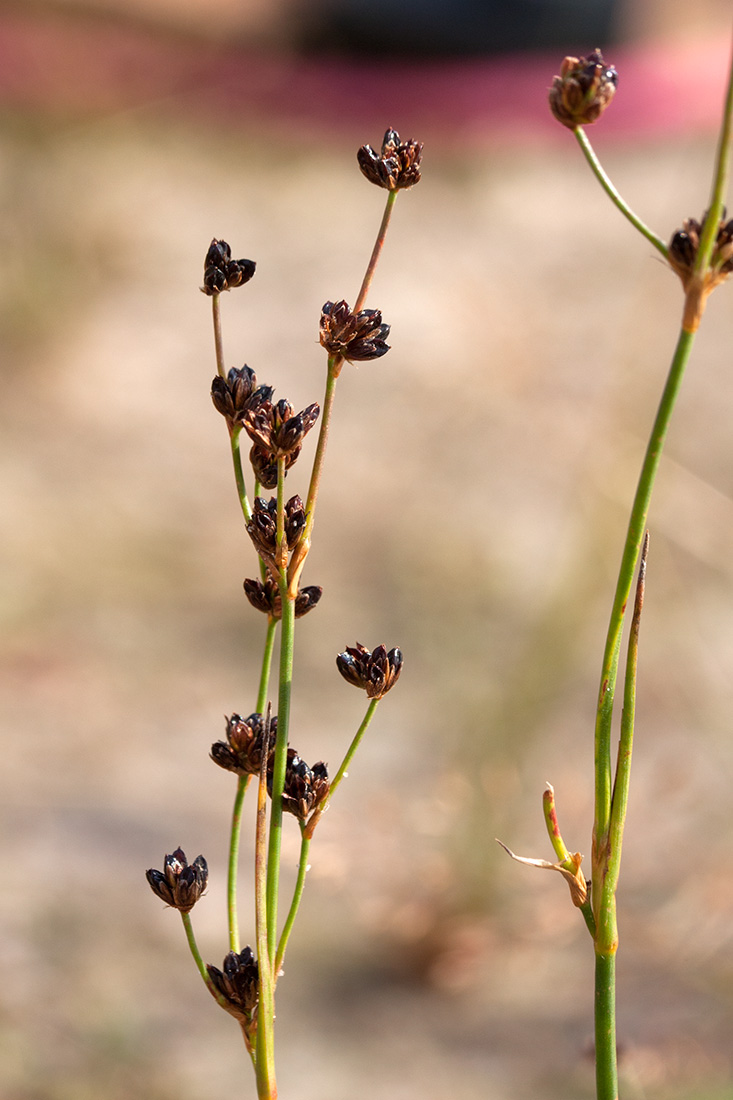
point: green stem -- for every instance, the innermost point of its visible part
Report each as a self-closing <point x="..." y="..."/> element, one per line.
<point x="235" y="433"/>
<point x="234" y="835"/>
<point x="376" y="251"/>
<point x="279" y="765"/>
<point x="620" y="799"/>
<point x="265" y="1039"/>
<point x="605" y="1028"/>
<point x="305" y="842"/>
<point x="315" y="482"/>
<point x="200" y="964"/>
<point x="239" y="797"/>
<point x="335" y="363"/>
<point x="218" y="344"/>
<point x="266" y="666"/>
<point x="335" y="782"/>
<point x="634" y="536"/>
<point x="613" y="194"/>
<point x="720" y="183"/>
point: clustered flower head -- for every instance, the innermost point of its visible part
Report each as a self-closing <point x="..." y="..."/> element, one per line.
<point x="357" y="337"/>
<point x="306" y="789"/>
<point x="583" y="90"/>
<point x="262" y="528"/>
<point x="374" y="672"/>
<point x="396" y="166"/>
<point x="179" y="884"/>
<point x="238" y="982"/>
<point x="684" y="246"/>
<point x="265" y="596"/>
<point x="234" y="395"/>
<point x="276" y="431"/>
<point x="221" y="272"/>
<point x="242" y="751"/>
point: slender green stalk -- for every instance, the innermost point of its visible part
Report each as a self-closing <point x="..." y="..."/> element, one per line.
<point x="335" y="363"/>
<point x="279" y="764"/>
<point x="376" y="251"/>
<point x="341" y="773"/>
<point x="318" y="459"/>
<point x="613" y="194"/>
<point x="285" y="682"/>
<point x="218" y="343"/>
<point x="336" y="781"/>
<point x="720" y="183"/>
<point x="632" y="546"/>
<point x="200" y="964"/>
<point x="242" y="784"/>
<point x="266" y="666"/>
<point x="239" y="797"/>
<point x="605" y="1028"/>
<point x="234" y="437"/>
<point x="620" y="800"/>
<point x="305" y="843"/>
<point x="265" y="1040"/>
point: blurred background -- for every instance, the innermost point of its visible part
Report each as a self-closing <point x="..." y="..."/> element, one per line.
<point x="473" y="510"/>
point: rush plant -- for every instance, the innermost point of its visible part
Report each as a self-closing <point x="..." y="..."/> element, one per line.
<point x="256" y="749"/>
<point x="700" y="253"/>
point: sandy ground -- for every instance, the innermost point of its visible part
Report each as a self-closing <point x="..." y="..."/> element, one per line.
<point x="472" y="512"/>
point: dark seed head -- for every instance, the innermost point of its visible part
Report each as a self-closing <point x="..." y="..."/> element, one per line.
<point x="583" y="90"/>
<point x="179" y="884"/>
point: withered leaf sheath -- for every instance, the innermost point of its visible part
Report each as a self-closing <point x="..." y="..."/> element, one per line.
<point x="262" y="528"/>
<point x="583" y="90"/>
<point x="238" y="982"/>
<point x="179" y="884"/>
<point x="684" y="246"/>
<point x="396" y="167"/>
<point x="357" y="337"/>
<point x="221" y="272"/>
<point x="375" y="672"/>
<point x="242" y="751"/>
<point x="265" y="596"/>
<point x="305" y="788"/>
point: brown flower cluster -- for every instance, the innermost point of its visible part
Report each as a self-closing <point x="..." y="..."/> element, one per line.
<point x="242" y="751"/>
<point x="684" y="246"/>
<point x="234" y="395"/>
<point x="238" y="982"/>
<point x="583" y="90"/>
<point x="262" y="529"/>
<point x="357" y="337"/>
<point x="306" y="789"/>
<point x="221" y="272"/>
<point x="396" y="166"/>
<point x="276" y="431"/>
<point x="374" y="672"/>
<point x="179" y="884"/>
<point x="265" y="596"/>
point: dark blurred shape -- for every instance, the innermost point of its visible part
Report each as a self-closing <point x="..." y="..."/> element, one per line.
<point x="434" y="28"/>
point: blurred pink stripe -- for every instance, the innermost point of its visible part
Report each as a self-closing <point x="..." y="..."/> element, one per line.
<point x="67" y="67"/>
